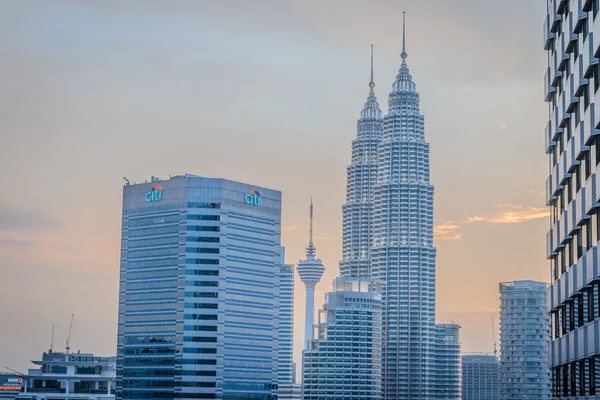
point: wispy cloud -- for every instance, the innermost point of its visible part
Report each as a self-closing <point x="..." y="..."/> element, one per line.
<point x="507" y="214"/>
<point x="290" y="227"/>
<point x="515" y="215"/>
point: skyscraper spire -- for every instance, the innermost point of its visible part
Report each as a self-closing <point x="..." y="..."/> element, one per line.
<point x="372" y="83"/>
<point x="404" y="54"/>
<point x="311" y="250"/>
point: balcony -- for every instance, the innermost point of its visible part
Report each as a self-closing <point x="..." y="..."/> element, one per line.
<point x="555" y="17"/>
<point x="555" y="72"/>
<point x="587" y="53"/>
<point x="579" y="80"/>
<point x="548" y="137"/>
<point x="570" y="94"/>
<point x="595" y="29"/>
<point x="548" y="88"/>
<point x="549" y="191"/>
<point x="548" y="35"/>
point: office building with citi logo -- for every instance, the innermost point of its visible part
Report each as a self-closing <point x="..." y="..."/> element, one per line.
<point x="199" y="289"/>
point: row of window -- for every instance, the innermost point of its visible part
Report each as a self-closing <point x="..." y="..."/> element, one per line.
<point x="577" y="311"/>
<point x="574" y="379"/>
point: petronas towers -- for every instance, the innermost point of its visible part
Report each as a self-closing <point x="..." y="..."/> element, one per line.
<point x="388" y="233"/>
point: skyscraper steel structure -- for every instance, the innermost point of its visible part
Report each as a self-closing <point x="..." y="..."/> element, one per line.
<point x="572" y="142"/>
<point x="357" y="213"/>
<point x="402" y="252"/>
<point x="310" y="270"/>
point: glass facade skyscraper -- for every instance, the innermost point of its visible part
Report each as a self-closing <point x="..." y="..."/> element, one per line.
<point x="480" y="377"/>
<point x="447" y="365"/>
<point x="287" y="372"/>
<point x="199" y="290"/>
<point x="402" y="253"/>
<point x="343" y="361"/>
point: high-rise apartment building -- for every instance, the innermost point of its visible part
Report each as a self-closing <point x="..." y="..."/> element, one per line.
<point x="447" y="363"/>
<point x="310" y="271"/>
<point x="402" y="252"/>
<point x="361" y="178"/>
<point x="343" y="361"/>
<point x="572" y="142"/>
<point x="524" y="340"/>
<point x="287" y="372"/>
<point x="199" y="290"/>
<point x="480" y="377"/>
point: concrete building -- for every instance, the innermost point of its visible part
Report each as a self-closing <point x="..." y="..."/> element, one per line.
<point x="199" y="290"/>
<point x="287" y="388"/>
<point x="447" y="363"/>
<point x="480" y="377"/>
<point x="402" y="253"/>
<point x="310" y="271"/>
<point x="343" y="361"/>
<point x="571" y="36"/>
<point x="524" y="340"/>
<point x="62" y="376"/>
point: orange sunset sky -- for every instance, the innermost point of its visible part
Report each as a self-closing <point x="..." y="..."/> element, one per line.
<point x="266" y="92"/>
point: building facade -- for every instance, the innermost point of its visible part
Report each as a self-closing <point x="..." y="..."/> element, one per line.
<point x="524" y="341"/>
<point x="361" y="178"/>
<point x="447" y="363"/>
<point x="480" y="377"/>
<point x="402" y="254"/>
<point x="199" y="290"/>
<point x="343" y="361"/>
<point x="287" y="389"/>
<point x="63" y="376"/>
<point x="572" y="142"/>
<point x="310" y="271"/>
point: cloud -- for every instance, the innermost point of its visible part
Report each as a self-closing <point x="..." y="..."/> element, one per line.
<point x="515" y="216"/>
<point x="5" y="242"/>
<point x="19" y="219"/>
<point x="290" y="227"/>
<point x="508" y="214"/>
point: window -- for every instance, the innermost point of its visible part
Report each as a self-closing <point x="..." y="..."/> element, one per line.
<point x="588" y="165"/>
<point x="563" y="320"/>
<point x="568" y="187"/>
<point x="571" y="315"/>
<point x="563" y="260"/>
<point x="579" y="244"/>
<point x="573" y="380"/>
<point x="581" y="377"/>
<point x="596" y="76"/>
<point x="592" y="380"/>
<point x="597" y="148"/>
<point x="590" y="304"/>
<point x="595" y="8"/>
<point x="567" y="129"/>
<point x="586" y="98"/>
<point x="576" y="177"/>
<point x="580" y="320"/>
<point x="589" y="236"/>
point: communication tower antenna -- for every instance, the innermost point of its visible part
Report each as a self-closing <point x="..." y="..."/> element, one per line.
<point x="68" y="346"/>
<point x="494" y="338"/>
<point x="126" y="180"/>
<point x="52" y="341"/>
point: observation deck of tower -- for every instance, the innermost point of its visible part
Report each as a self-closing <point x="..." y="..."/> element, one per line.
<point x="310" y="271"/>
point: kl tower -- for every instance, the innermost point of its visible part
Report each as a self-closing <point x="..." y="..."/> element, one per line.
<point x="310" y="270"/>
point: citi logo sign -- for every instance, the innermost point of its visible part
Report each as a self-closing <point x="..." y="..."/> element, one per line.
<point x="155" y="194"/>
<point x="15" y="380"/>
<point x="252" y="198"/>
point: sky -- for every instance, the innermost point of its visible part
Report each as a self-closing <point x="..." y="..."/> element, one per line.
<point x="266" y="92"/>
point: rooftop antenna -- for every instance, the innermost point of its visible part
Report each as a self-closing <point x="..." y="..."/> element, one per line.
<point x="494" y="338"/>
<point x="126" y="180"/>
<point x="310" y="239"/>
<point x="52" y="342"/>
<point x="68" y="346"/>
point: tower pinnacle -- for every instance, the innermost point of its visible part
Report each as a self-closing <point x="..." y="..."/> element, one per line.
<point x="403" y="54"/>
<point x="372" y="83"/>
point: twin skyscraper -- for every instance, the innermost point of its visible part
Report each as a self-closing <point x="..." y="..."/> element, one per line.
<point x="387" y="251"/>
<point x="205" y="300"/>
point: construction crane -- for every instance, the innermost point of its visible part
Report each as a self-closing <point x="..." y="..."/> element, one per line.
<point x="68" y="346"/>
<point x="494" y="338"/>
